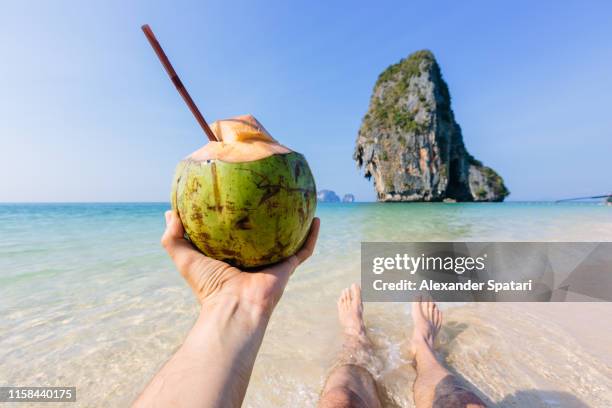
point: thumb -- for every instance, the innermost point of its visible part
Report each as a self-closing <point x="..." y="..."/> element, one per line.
<point x="205" y="275"/>
<point x="174" y="233"/>
<point x="174" y="229"/>
<point x="173" y="240"/>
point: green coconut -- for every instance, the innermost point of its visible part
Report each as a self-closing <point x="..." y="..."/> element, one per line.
<point x="246" y="200"/>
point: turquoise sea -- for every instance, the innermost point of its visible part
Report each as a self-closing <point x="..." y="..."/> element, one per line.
<point x="89" y="298"/>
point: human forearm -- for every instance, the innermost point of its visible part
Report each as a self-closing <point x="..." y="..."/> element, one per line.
<point x="213" y="366"/>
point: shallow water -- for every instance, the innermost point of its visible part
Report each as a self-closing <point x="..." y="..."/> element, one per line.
<point x="88" y="298"/>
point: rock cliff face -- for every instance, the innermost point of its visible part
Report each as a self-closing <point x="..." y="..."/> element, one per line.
<point x="412" y="146"/>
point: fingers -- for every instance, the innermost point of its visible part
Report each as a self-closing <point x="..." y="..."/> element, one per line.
<point x="180" y="250"/>
<point x="311" y="241"/>
<point x="285" y="268"/>
<point x="305" y="251"/>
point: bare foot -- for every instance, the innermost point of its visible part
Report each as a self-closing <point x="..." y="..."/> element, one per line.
<point x="351" y="382"/>
<point x="427" y="323"/>
<point x="350" y="312"/>
<point x="435" y="385"/>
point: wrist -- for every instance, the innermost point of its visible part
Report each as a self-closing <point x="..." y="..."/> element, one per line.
<point x="231" y="307"/>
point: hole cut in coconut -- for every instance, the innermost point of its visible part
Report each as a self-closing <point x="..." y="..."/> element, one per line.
<point x="241" y="139"/>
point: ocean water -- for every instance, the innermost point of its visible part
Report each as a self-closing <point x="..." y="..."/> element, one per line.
<point x="89" y="299"/>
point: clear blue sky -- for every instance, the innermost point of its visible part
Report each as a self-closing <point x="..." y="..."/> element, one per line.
<point x="87" y="114"/>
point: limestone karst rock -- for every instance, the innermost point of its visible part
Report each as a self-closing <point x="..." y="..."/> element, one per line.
<point x="410" y="143"/>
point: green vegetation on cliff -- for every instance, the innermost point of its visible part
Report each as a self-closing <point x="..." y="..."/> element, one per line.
<point x="387" y="111"/>
<point x="497" y="182"/>
<point x="411" y="144"/>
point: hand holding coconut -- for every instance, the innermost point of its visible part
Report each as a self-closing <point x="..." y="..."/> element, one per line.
<point x="209" y="277"/>
<point x="241" y="201"/>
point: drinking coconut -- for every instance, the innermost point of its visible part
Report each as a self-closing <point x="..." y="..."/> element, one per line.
<point x="245" y="198"/>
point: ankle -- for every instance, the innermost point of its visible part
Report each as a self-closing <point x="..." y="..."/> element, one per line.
<point x="422" y="342"/>
<point x="420" y="339"/>
<point x="357" y="331"/>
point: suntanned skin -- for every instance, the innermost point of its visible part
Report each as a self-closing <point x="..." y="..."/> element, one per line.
<point x="352" y="385"/>
<point x="213" y="366"/>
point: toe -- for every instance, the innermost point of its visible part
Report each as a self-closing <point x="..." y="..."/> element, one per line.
<point x="346" y="297"/>
<point x="424" y="309"/>
<point x="415" y="309"/>
<point x="356" y="293"/>
<point x="430" y="310"/>
<point x="342" y="298"/>
<point x="417" y="312"/>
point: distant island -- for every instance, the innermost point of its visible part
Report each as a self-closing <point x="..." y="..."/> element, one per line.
<point x="348" y="198"/>
<point x="411" y="144"/>
<point x="329" y="196"/>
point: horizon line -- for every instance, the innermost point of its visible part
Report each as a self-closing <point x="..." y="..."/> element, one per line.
<point x="319" y="202"/>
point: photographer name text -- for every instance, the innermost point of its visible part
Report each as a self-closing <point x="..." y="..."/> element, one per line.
<point x="469" y="285"/>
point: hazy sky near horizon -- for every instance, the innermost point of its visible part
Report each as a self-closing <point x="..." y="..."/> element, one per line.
<point x="88" y="114"/>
